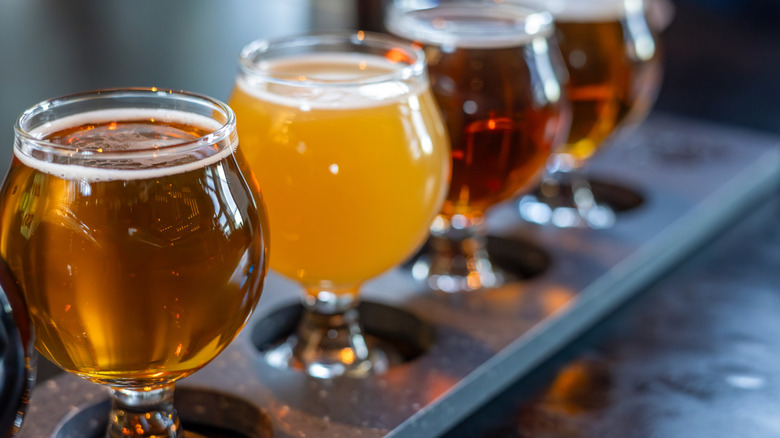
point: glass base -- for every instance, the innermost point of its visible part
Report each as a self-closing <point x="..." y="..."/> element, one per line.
<point x="204" y="413"/>
<point x="323" y="366"/>
<point x="536" y="210"/>
<point x="329" y="341"/>
<point x="143" y="413"/>
<point x="456" y="257"/>
<point x="456" y="279"/>
<point x="566" y="200"/>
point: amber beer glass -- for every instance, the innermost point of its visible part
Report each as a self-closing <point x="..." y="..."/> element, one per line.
<point x="614" y="66"/>
<point x="344" y="136"/>
<point x="496" y="73"/>
<point x="137" y="241"/>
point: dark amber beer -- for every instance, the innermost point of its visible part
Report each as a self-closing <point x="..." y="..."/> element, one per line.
<point x="139" y="263"/>
<point x="493" y="80"/>
<point x="496" y="73"/>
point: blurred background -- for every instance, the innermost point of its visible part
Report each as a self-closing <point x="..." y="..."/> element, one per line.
<point x="49" y="48"/>
<point x="722" y="56"/>
<point x="722" y="60"/>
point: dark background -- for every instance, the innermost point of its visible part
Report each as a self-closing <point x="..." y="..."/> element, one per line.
<point x="723" y="61"/>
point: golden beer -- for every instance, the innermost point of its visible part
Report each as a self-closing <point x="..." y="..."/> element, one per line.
<point x="352" y="174"/>
<point x="614" y="67"/>
<point x="136" y="271"/>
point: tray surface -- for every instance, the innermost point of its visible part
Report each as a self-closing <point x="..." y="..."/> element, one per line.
<point x="693" y="179"/>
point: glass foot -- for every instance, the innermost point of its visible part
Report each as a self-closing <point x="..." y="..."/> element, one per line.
<point x="455" y="279"/>
<point x="143" y="413"/>
<point x="330" y="342"/>
<point x="455" y="258"/>
<point x="535" y="210"/>
<point x="393" y="336"/>
<point x="572" y="201"/>
<point x="317" y="364"/>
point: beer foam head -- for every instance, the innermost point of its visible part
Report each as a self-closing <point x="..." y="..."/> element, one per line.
<point x="470" y="25"/>
<point x="329" y="81"/>
<point x="585" y="10"/>
<point x="114" y="152"/>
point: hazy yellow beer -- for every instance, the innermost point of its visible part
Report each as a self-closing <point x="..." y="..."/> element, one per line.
<point x="136" y="271"/>
<point x="353" y="170"/>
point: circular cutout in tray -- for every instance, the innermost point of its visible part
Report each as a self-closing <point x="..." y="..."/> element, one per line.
<point x="395" y="330"/>
<point x="205" y="413"/>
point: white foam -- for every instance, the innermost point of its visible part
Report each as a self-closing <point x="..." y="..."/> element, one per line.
<point x="330" y="81"/>
<point x="94" y="174"/>
<point x="476" y="26"/>
<point x="586" y="10"/>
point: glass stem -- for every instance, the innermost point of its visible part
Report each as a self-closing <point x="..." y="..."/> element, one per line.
<point x="145" y="413"/>
<point x="330" y="340"/>
<point x="459" y="260"/>
<point x="565" y="198"/>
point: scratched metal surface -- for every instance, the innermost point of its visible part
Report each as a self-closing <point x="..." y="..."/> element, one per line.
<point x="694" y="355"/>
<point x="694" y="178"/>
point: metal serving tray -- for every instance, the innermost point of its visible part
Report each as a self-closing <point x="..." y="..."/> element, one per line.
<point x="693" y="178"/>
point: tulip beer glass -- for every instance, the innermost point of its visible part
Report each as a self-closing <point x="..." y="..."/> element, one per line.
<point x="138" y="244"/>
<point x="496" y="73"/>
<point x="348" y="146"/>
<point x="614" y="69"/>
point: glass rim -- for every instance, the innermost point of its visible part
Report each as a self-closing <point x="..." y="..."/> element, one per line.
<point x="573" y="10"/>
<point x="224" y="131"/>
<point x="534" y="21"/>
<point x="356" y="38"/>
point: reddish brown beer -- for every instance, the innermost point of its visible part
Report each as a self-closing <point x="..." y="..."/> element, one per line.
<point x="497" y="83"/>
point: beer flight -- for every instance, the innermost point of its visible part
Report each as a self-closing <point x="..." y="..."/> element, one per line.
<point x="141" y="223"/>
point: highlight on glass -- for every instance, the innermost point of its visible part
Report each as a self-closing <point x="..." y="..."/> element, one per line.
<point x="140" y="247"/>
<point x="497" y="75"/>
<point x="346" y="141"/>
<point x="613" y="58"/>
